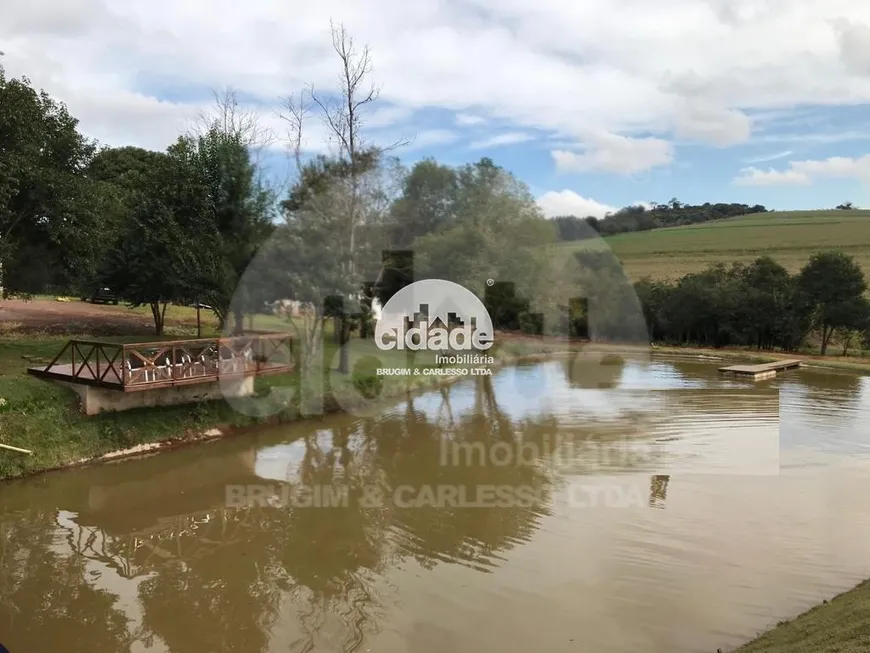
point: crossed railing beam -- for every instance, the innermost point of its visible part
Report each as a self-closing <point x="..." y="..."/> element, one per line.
<point x="173" y="361"/>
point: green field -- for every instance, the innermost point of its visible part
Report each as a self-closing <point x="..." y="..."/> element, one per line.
<point x="789" y="237"/>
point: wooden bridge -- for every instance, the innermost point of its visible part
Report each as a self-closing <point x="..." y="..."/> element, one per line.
<point x="151" y="365"/>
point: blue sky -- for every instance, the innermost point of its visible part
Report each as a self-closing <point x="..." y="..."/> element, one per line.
<point x="595" y="104"/>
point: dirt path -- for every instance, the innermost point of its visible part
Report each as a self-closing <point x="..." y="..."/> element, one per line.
<point x="74" y="317"/>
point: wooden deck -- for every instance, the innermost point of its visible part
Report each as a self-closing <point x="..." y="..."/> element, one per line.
<point x="761" y="370"/>
<point x="150" y="365"/>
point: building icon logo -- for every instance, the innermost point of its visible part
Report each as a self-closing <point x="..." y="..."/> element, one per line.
<point x="434" y="315"/>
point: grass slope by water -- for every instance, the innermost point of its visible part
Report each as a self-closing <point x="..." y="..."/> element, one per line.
<point x="789" y="237"/>
<point x="44" y="417"/>
<point x="841" y="625"/>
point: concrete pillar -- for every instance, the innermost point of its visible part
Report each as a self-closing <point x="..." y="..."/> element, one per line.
<point x="96" y="400"/>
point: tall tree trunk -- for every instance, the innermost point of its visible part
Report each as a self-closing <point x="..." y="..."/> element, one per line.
<point x="159" y="315"/>
<point x="846" y="342"/>
<point x="344" y="336"/>
<point x="238" y="321"/>
<point x="826" y="336"/>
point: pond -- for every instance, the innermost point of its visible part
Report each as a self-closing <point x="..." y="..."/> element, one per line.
<point x="648" y="505"/>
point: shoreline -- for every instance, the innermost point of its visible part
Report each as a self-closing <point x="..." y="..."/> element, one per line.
<point x="331" y="405"/>
<point x="837" y="625"/>
<point x="561" y="347"/>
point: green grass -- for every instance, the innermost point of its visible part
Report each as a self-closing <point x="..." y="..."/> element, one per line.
<point x="43" y="417"/>
<point x="838" y="626"/>
<point x="788" y="237"/>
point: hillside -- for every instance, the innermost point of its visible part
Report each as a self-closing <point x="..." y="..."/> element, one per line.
<point x="790" y="237"/>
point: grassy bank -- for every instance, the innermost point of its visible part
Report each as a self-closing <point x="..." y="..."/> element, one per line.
<point x="44" y="418"/>
<point x="841" y="625"/>
<point x="810" y="359"/>
<point x="853" y="363"/>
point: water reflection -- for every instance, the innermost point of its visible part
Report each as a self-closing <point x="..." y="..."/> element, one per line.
<point x="150" y="555"/>
<point x="658" y="490"/>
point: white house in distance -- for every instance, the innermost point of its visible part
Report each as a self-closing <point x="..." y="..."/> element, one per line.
<point x="377" y="309"/>
<point x="294" y="308"/>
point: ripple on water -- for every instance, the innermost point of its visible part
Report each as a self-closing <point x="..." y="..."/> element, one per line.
<point x="150" y="550"/>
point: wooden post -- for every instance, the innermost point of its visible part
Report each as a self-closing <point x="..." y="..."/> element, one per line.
<point x="198" y="323"/>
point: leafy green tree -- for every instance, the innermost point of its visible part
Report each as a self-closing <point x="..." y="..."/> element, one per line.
<point x="771" y="312"/>
<point x="128" y="168"/>
<point x="703" y="306"/>
<point x="242" y="205"/>
<point x="427" y="203"/>
<point x="169" y="248"/>
<point x="496" y="232"/>
<point x="654" y="295"/>
<point x="52" y="219"/>
<point x="396" y="273"/>
<point x="833" y="286"/>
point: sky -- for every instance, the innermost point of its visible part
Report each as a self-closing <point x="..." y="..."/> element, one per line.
<point x="594" y="104"/>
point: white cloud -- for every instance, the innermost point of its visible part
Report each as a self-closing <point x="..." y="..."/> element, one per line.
<point x="770" y="157"/>
<point x="805" y="172"/>
<point x="757" y="177"/>
<point x="430" y="137"/>
<point x="469" y="119"/>
<point x="508" y="138"/>
<point x="567" y="202"/>
<point x="617" y="154"/>
<point x="854" y="42"/>
<point x="685" y="69"/>
<point x="818" y="137"/>
<point x="712" y="124"/>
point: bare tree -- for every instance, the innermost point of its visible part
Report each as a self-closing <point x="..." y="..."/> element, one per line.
<point x="229" y="117"/>
<point x="353" y="190"/>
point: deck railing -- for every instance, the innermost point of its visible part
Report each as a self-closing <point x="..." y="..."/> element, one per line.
<point x="173" y="362"/>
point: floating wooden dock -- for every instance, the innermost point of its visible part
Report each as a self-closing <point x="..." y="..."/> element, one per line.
<point x="760" y="371"/>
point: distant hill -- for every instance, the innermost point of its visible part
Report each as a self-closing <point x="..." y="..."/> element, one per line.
<point x="650" y="216"/>
<point x="790" y="237"/>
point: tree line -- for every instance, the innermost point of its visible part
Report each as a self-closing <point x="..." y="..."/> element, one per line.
<point x="755" y="305"/>
<point x="761" y="305"/>
<point x="643" y="218"/>
<point x="156" y="227"/>
<point x="199" y="222"/>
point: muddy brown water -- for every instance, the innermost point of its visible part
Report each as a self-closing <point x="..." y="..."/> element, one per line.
<point x="651" y="506"/>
